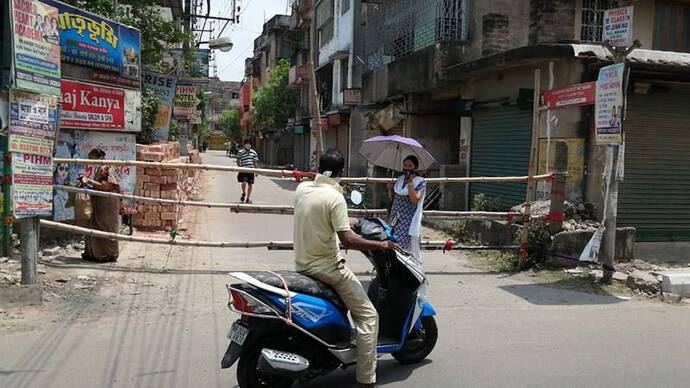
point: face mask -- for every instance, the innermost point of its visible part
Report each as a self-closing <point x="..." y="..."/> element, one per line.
<point x="247" y="147"/>
<point x="408" y="171"/>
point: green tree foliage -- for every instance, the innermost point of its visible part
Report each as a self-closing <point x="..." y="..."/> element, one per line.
<point x="274" y="103"/>
<point x="149" y="109"/>
<point x="230" y="123"/>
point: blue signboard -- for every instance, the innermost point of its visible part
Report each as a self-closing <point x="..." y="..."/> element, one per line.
<point x="111" y="50"/>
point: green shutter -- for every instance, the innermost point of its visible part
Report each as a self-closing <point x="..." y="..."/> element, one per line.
<point x="501" y="139"/>
<point x="655" y="196"/>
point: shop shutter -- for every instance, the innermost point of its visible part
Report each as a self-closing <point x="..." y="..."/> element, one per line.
<point x="655" y="195"/>
<point x="501" y="139"/>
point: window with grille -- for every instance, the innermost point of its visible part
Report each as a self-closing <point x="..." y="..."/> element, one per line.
<point x="672" y="26"/>
<point x="324" y="21"/>
<point x="593" y="18"/>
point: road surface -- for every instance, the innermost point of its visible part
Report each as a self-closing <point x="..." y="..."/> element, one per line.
<point x="141" y="329"/>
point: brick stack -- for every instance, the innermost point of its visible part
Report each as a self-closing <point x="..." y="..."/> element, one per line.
<point x="155" y="182"/>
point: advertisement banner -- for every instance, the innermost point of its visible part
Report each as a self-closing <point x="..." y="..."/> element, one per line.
<point x="185" y="101"/>
<point x="163" y="87"/>
<point x="91" y="106"/>
<point x="618" y="26"/>
<point x="75" y="144"/>
<point x="36" y="46"/>
<point x="193" y="72"/>
<point x="31" y="145"/>
<point x="608" y="114"/>
<point x="33" y="114"/>
<point x="111" y="50"/>
<point x="574" y="95"/>
<point x="32" y="190"/>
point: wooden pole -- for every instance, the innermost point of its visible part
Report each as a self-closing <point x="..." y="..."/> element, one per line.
<point x="313" y="91"/>
<point x="558" y="185"/>
<point x="290" y="173"/>
<point x="278" y="245"/>
<point x="29" y="240"/>
<point x="532" y="168"/>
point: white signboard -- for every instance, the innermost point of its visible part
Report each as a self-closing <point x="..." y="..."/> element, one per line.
<point x="618" y="26"/>
<point x="609" y="104"/>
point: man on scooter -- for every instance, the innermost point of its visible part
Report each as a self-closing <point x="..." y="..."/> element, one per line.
<point x="321" y="223"/>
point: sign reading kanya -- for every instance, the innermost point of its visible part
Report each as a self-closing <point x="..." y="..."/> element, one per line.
<point x="92" y="106"/>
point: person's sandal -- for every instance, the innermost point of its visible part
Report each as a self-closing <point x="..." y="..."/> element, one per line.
<point x="242" y="198"/>
<point x="249" y="201"/>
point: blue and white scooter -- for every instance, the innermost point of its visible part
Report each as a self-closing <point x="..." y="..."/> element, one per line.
<point x="294" y="328"/>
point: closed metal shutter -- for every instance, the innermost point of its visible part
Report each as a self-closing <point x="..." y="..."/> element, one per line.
<point x="655" y="196"/>
<point x="501" y="140"/>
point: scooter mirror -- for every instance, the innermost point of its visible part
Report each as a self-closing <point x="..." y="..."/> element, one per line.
<point x="356" y="197"/>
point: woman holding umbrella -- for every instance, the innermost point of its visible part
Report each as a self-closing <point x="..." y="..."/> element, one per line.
<point x="407" y="194"/>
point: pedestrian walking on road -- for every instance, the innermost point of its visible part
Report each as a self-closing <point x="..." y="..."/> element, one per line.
<point x="246" y="158"/>
<point x="105" y="212"/>
<point x="408" y="205"/>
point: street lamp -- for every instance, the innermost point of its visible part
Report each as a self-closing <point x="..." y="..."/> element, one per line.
<point x="223" y="44"/>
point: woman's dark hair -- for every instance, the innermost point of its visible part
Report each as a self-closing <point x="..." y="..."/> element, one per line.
<point x="414" y="161"/>
<point x="332" y="160"/>
<point x="97" y="153"/>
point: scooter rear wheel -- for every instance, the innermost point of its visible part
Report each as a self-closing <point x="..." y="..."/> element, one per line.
<point x="248" y="375"/>
<point x="415" y="350"/>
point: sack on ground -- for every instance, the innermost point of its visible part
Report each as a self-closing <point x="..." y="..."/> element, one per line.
<point x="83" y="210"/>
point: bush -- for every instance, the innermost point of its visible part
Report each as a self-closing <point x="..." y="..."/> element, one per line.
<point x="483" y="203"/>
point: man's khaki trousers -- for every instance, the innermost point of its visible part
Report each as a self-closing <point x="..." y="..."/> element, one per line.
<point x="363" y="314"/>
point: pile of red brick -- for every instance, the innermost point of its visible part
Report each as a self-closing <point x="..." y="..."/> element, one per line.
<point x="156" y="182"/>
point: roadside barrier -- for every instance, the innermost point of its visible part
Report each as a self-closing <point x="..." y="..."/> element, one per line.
<point x="288" y="210"/>
<point x="299" y="176"/>
<point x="295" y="174"/>
<point x="271" y="245"/>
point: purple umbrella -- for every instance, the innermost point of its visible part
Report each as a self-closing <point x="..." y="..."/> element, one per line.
<point x="390" y="151"/>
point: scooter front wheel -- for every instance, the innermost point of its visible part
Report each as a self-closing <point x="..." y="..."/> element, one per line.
<point x="419" y="343"/>
<point x="248" y="374"/>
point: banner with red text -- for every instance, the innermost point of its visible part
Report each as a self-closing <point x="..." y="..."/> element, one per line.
<point x="92" y="106"/>
<point x="36" y="46"/>
<point x="32" y="185"/>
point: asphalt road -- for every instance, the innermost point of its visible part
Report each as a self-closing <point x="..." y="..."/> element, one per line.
<point x="168" y="330"/>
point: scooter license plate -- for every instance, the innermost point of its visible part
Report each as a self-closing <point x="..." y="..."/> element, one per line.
<point x="238" y="334"/>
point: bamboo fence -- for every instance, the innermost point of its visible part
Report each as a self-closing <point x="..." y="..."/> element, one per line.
<point x="271" y="245"/>
<point x="289" y="210"/>
<point x="292" y="174"/>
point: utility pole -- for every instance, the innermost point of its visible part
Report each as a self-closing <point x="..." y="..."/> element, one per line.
<point x="29" y="238"/>
<point x="313" y="92"/>
<point x="611" y="215"/>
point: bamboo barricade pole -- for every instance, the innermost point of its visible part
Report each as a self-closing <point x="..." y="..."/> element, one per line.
<point x="293" y="174"/>
<point x="289" y="210"/>
<point x="271" y="245"/>
<point x="532" y="168"/>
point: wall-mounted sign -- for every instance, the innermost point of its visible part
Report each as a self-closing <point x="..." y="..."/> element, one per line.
<point x="608" y="109"/>
<point x="185" y="101"/>
<point x="618" y="26"/>
<point x="110" y="50"/>
<point x="74" y="144"/>
<point x="352" y="96"/>
<point x="36" y="46"/>
<point x="92" y="106"/>
<point x="164" y="88"/>
<point x="574" y="95"/>
<point x="33" y="122"/>
<point x="32" y="185"/>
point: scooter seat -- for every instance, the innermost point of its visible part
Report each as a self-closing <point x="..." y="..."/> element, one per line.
<point x="299" y="283"/>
